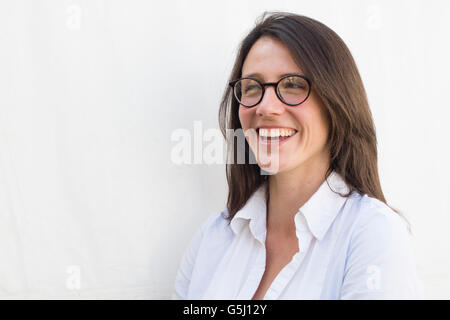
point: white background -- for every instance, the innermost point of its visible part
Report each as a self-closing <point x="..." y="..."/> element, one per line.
<point x="91" y="204"/>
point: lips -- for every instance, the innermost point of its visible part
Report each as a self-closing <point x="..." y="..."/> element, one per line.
<point x="276" y="132"/>
<point x="275" y="136"/>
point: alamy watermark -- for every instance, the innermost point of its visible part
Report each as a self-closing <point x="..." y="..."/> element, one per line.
<point x="73" y="280"/>
<point x="373" y="281"/>
<point x="73" y="19"/>
<point x="199" y="146"/>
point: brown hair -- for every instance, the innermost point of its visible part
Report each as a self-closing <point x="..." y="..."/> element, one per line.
<point x="325" y="59"/>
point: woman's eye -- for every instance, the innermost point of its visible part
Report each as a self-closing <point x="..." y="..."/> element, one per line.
<point x="294" y="85"/>
<point x="250" y="88"/>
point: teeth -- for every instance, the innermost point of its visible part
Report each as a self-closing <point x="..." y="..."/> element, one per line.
<point x="276" y="132"/>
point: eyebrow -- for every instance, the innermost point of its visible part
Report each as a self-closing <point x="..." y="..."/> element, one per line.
<point x="258" y="75"/>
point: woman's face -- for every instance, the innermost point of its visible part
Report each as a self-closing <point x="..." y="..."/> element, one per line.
<point x="268" y="60"/>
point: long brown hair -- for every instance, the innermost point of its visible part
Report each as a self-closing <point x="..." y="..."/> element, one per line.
<point x="325" y="59"/>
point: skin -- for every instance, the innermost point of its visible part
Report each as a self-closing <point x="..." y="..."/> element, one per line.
<point x="303" y="159"/>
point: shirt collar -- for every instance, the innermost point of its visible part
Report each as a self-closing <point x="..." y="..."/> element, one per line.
<point x="324" y="205"/>
<point x="319" y="211"/>
<point x="253" y="213"/>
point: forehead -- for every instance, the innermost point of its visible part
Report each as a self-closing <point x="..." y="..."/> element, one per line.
<point x="269" y="59"/>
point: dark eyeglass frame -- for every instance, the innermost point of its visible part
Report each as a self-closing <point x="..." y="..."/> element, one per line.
<point x="275" y="84"/>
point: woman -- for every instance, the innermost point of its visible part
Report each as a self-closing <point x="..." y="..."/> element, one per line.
<point x="308" y="220"/>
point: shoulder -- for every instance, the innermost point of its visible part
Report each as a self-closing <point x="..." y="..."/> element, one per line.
<point x="373" y="230"/>
<point x="379" y="236"/>
<point x="214" y="227"/>
<point x="374" y="217"/>
<point x="380" y="260"/>
<point x="215" y="221"/>
<point x="211" y="226"/>
<point x="197" y="253"/>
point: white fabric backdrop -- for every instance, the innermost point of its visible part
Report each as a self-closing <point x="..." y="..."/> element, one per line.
<point x="91" y="205"/>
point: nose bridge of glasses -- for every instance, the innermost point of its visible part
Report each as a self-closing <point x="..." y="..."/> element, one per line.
<point x="272" y="85"/>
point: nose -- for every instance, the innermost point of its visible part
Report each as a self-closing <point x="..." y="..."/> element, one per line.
<point x="270" y="104"/>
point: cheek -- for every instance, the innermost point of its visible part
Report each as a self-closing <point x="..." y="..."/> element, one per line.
<point x="322" y="125"/>
<point x="312" y="122"/>
<point x="301" y="117"/>
<point x="245" y="117"/>
<point x="319" y="118"/>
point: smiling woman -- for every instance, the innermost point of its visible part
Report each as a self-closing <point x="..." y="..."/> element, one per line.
<point x="317" y="225"/>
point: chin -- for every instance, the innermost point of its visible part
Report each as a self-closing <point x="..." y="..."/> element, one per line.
<point x="273" y="168"/>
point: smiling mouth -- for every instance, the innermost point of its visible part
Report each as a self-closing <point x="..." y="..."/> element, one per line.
<point x="272" y="136"/>
<point x="274" y="139"/>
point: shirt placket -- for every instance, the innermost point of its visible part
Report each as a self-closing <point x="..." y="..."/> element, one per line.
<point x="283" y="278"/>
<point x="288" y="272"/>
<point x="255" y="275"/>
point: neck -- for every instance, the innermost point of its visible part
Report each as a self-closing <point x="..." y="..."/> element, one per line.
<point x="288" y="192"/>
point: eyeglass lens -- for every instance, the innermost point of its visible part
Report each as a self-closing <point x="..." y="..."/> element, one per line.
<point x="292" y="90"/>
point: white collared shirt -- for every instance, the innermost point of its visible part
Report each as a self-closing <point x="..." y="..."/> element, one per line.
<point x="349" y="248"/>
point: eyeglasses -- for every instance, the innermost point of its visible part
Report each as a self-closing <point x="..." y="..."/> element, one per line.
<point x="291" y="89"/>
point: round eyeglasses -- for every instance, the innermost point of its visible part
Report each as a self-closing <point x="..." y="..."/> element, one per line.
<point x="290" y="89"/>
